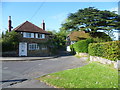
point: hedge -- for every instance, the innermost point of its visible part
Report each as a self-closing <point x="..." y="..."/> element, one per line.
<point x="109" y="50"/>
<point x="82" y="45"/>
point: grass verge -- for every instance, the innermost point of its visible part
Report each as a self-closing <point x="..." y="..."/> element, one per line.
<point x="93" y="75"/>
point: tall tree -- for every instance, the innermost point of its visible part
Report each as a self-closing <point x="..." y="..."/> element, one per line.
<point x="91" y="19"/>
<point x="57" y="41"/>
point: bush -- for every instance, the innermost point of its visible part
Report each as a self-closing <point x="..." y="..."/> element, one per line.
<point x="72" y="49"/>
<point x="10" y="41"/>
<point x="108" y="50"/>
<point x="82" y="45"/>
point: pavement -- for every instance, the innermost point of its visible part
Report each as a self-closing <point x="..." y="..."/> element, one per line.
<point x="25" y="58"/>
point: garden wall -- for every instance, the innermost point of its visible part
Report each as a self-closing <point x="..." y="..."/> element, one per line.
<point x="105" y="61"/>
<point x="105" y="53"/>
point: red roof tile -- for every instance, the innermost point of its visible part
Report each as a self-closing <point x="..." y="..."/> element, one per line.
<point x="29" y="27"/>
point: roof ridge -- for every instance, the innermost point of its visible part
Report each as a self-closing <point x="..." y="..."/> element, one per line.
<point x="20" y="25"/>
<point x="35" y="25"/>
<point x="26" y="23"/>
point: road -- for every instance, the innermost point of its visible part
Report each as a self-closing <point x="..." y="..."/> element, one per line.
<point x="15" y="71"/>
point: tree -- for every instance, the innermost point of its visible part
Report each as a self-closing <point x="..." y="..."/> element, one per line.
<point x="91" y="20"/>
<point x="10" y="41"/>
<point x="57" y="41"/>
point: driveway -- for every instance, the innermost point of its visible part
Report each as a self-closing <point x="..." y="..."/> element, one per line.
<point x="14" y="71"/>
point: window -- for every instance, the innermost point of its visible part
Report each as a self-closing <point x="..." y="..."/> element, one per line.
<point x="41" y="36"/>
<point x="28" y="35"/>
<point x="36" y="35"/>
<point x="33" y="46"/>
<point x="44" y="47"/>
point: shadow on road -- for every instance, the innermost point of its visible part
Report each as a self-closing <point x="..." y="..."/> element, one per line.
<point x="64" y="53"/>
<point x="16" y="80"/>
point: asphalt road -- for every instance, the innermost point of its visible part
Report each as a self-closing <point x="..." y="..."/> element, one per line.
<point x="15" y="71"/>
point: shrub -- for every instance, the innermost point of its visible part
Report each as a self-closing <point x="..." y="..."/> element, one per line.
<point x="82" y="45"/>
<point x="108" y="50"/>
<point x="10" y="41"/>
<point x="72" y="49"/>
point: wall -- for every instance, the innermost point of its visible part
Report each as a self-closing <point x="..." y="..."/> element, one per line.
<point x="105" y="61"/>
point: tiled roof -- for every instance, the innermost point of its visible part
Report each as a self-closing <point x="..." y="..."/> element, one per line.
<point x="29" y="27"/>
<point x="76" y="35"/>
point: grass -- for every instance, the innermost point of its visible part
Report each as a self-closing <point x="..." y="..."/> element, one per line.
<point x="78" y="56"/>
<point x="119" y="79"/>
<point x="93" y="75"/>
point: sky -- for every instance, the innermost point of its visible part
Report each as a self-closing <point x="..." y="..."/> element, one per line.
<point x="53" y="13"/>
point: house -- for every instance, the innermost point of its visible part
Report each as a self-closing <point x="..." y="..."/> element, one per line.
<point x="75" y="36"/>
<point x="116" y="34"/>
<point x="34" y="39"/>
<point x="82" y="35"/>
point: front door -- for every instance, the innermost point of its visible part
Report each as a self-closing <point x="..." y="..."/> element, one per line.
<point x="22" y="49"/>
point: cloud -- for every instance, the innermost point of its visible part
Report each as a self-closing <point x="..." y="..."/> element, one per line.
<point x="114" y="9"/>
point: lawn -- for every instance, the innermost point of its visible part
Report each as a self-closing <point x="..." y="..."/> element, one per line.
<point x="93" y="75"/>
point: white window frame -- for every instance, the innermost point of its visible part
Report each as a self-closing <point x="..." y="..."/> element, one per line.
<point x="33" y="46"/>
<point x="44" y="47"/>
<point x="43" y="36"/>
<point x="40" y="36"/>
<point x="24" y="34"/>
<point x="36" y="35"/>
<point x="28" y="35"/>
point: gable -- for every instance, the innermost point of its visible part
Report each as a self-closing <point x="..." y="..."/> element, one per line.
<point x="29" y="27"/>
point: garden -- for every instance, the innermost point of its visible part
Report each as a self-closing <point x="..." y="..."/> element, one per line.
<point x="103" y="53"/>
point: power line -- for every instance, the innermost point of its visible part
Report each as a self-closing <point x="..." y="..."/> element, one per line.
<point x="37" y="10"/>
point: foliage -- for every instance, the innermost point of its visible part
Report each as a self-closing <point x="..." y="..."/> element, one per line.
<point x="108" y="50"/>
<point x="57" y="41"/>
<point x="91" y="19"/>
<point x="82" y="45"/>
<point x="93" y="75"/>
<point x="10" y="41"/>
<point x="101" y="37"/>
<point x="72" y="49"/>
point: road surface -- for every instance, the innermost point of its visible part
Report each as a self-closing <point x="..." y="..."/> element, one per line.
<point x="16" y="71"/>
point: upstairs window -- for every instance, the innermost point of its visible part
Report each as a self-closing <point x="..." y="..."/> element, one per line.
<point x="28" y="35"/>
<point x="40" y="36"/>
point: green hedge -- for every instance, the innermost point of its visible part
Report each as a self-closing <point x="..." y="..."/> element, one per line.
<point x="72" y="49"/>
<point x="109" y="50"/>
<point x="82" y="45"/>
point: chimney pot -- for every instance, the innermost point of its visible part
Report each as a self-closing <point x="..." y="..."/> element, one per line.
<point x="9" y="18"/>
<point x="9" y="24"/>
<point x="43" y="25"/>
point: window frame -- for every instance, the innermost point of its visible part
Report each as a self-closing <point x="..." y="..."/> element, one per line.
<point x="33" y="46"/>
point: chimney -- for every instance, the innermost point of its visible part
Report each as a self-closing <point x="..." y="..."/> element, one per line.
<point x="9" y="24"/>
<point x="43" y="25"/>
